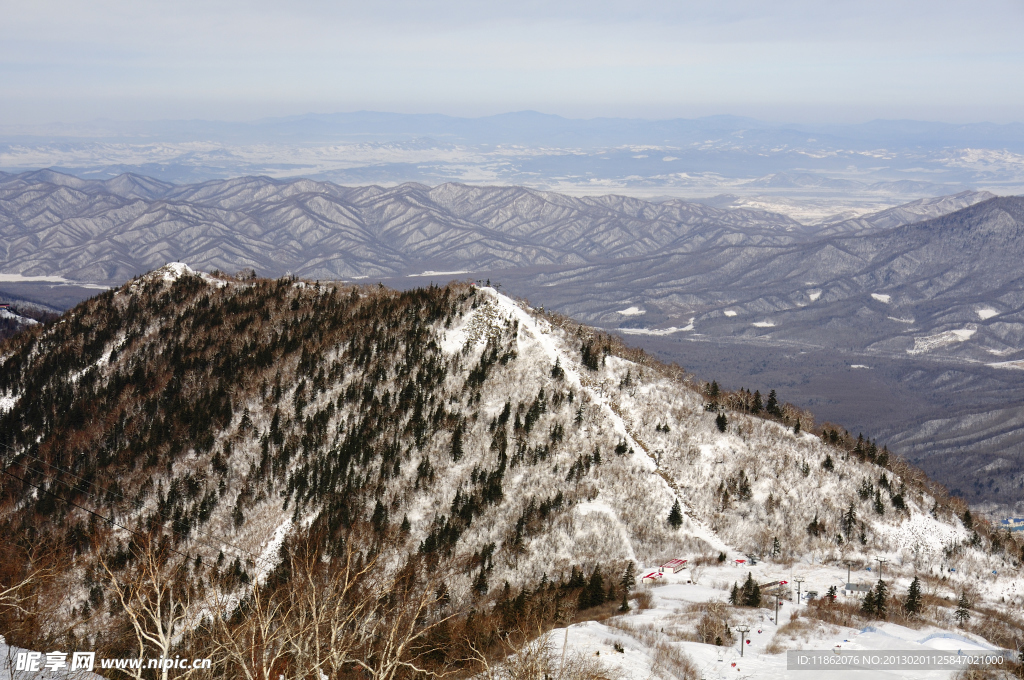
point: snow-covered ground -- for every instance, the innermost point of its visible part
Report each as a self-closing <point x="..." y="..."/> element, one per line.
<point x="639" y="632"/>
<point x="930" y="342"/>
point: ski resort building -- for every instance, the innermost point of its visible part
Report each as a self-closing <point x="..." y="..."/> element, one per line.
<point x="672" y="566"/>
<point x="651" y="578"/>
<point x="857" y="588"/>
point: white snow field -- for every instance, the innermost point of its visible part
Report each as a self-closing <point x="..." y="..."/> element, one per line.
<point x="932" y="342"/>
<point x="640" y="632"/>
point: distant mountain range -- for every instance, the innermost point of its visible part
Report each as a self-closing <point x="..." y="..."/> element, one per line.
<point x="105" y="231"/>
<point x="535" y="128"/>
<point x="928" y="297"/>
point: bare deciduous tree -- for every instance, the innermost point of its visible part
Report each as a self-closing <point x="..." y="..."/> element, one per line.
<point x="158" y="602"/>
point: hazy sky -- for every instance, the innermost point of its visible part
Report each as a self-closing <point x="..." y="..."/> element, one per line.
<point x="780" y="60"/>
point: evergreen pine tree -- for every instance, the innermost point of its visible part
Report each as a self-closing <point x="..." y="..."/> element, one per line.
<point x="963" y="610"/>
<point x="596" y="587"/>
<point x="480" y="583"/>
<point x="721" y="422"/>
<point x="796" y="428"/>
<point x="675" y="516"/>
<point x="757" y="405"/>
<point x="867" y="605"/>
<point x="750" y="594"/>
<point x="624" y="607"/>
<point x="628" y="578"/>
<point x="968" y="520"/>
<point x="879" y="506"/>
<point x="881" y="599"/>
<point x="912" y="605"/>
<point x="772" y="406"/>
<point x="457" y="443"/>
<point x="849" y="521"/>
<point x="734" y="594"/>
<point x="776" y="547"/>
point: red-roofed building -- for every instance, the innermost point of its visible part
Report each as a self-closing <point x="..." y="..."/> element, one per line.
<point x="672" y="566"/>
<point x="651" y="578"/>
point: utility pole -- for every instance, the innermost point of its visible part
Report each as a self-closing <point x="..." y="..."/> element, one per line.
<point x="799" y="581"/>
<point x="881" y="566"/>
<point x="848" y="567"/>
<point x="777" y="596"/>
<point x="743" y="630"/>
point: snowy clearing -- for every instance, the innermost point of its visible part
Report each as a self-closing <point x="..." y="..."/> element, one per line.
<point x="859" y="366"/>
<point x="7" y="314"/>
<point x="930" y="342"/>
<point x="431" y="273"/>
<point x="729" y="312"/>
<point x="881" y="297"/>
<point x="764" y="324"/>
<point x="1018" y="364"/>
<point x="814" y="295"/>
<point x="655" y="331"/>
<point x="640" y="643"/>
<point x="987" y="313"/>
<point x="631" y="311"/>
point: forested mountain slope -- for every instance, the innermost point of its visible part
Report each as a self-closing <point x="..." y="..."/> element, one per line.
<point x="107" y="231"/>
<point x="446" y="431"/>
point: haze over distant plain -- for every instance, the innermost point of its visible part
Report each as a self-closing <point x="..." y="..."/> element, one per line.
<point x="792" y="60"/>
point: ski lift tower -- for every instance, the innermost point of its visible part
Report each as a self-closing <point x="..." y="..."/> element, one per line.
<point x="743" y="630"/>
<point x="799" y="581"/>
<point x="881" y="567"/>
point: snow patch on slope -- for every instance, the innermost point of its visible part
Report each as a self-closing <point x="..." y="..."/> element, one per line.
<point x="631" y="311"/>
<point x="987" y="313"/>
<point x="881" y="297"/>
<point x="922" y="535"/>
<point x="1018" y="364"/>
<point x="656" y="331"/>
<point x="7" y="402"/>
<point x="930" y="342"/>
<point x="8" y="314"/>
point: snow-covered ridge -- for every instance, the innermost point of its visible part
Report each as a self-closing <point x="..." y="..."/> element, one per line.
<point x="8" y="314"/>
<point x="620" y="441"/>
